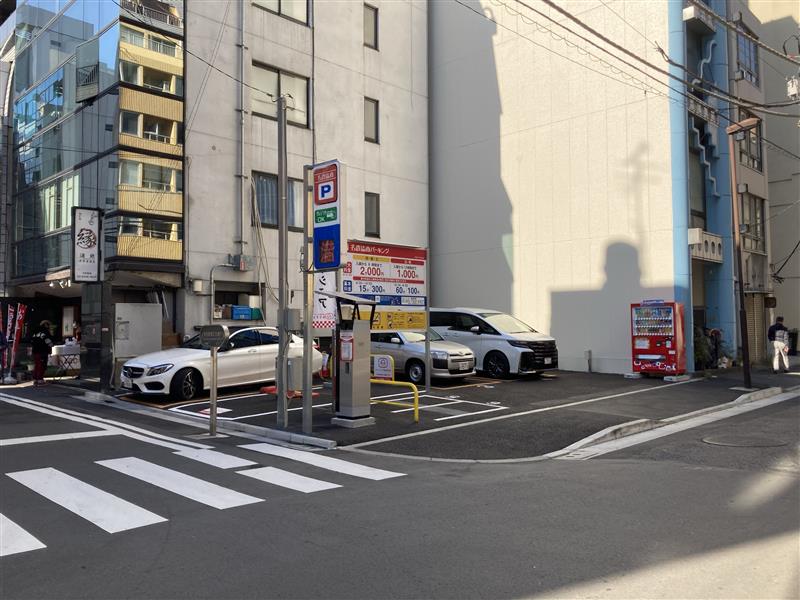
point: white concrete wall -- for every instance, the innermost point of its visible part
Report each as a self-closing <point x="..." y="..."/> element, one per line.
<point x="551" y="193"/>
<point x="779" y="20"/>
<point x="344" y="71"/>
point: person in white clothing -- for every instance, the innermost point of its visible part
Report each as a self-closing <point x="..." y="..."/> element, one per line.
<point x="778" y="336"/>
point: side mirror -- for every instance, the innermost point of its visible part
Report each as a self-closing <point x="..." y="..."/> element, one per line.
<point x="396" y="340"/>
<point x="475" y="329"/>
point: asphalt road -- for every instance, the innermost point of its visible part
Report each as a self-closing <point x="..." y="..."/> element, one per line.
<point x="708" y="512"/>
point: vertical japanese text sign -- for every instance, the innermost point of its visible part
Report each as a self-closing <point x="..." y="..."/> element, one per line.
<point x="86" y="256"/>
<point x="327" y="215"/>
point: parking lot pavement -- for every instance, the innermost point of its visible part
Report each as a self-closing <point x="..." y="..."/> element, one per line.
<point x="476" y="418"/>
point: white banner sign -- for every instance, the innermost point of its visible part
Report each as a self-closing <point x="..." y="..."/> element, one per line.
<point x="324" y="308"/>
<point x="86" y="256"/>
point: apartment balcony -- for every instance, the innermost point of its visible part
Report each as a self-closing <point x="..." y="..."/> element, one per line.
<point x="150" y="104"/>
<point x="151" y="142"/>
<point x="698" y="20"/>
<point x="153" y="200"/>
<point x="136" y="246"/>
<point x="705" y="246"/>
<point x="158" y="15"/>
<point x="700" y="109"/>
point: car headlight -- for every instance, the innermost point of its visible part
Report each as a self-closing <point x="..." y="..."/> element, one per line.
<point x="158" y="370"/>
<point x="519" y="344"/>
<point x="439" y="355"/>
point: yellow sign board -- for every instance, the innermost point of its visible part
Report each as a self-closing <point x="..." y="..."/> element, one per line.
<point x="399" y="319"/>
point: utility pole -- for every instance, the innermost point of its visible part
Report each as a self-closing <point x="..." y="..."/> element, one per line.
<point x="308" y="303"/>
<point x="283" y="284"/>
<point x="741" y="127"/>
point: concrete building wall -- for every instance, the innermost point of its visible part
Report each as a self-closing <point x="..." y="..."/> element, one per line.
<point x="779" y="21"/>
<point x="551" y="191"/>
<point x="342" y="72"/>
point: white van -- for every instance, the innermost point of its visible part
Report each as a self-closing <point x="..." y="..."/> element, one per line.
<point x="502" y="344"/>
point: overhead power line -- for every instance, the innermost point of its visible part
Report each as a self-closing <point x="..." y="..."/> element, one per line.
<point x="735" y="27"/>
<point x="722" y="96"/>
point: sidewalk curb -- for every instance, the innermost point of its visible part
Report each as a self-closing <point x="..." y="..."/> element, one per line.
<point x="222" y="426"/>
<point x="633" y="427"/>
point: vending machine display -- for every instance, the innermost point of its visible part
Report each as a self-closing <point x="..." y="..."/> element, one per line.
<point x="657" y="343"/>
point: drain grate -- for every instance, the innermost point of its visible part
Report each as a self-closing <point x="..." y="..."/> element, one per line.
<point x="744" y="441"/>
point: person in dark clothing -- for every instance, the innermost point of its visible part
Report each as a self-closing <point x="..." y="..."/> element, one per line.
<point x="42" y="346"/>
<point x="778" y="336"/>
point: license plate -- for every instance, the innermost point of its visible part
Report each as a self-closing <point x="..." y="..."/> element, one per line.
<point x="126" y="384"/>
<point x="463" y="366"/>
<point x="548" y="361"/>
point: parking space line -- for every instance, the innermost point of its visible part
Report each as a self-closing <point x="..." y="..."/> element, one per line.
<point x="467" y="385"/>
<point x="469" y="414"/>
<point x="424" y="406"/>
<point x="515" y="414"/>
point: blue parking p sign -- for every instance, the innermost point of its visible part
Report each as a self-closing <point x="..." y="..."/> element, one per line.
<point x="326" y="218"/>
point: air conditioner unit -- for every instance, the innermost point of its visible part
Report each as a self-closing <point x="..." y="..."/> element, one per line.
<point x="738" y="75"/>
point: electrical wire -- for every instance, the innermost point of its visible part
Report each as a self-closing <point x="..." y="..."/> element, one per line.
<point x="616" y="70"/>
<point x="734" y="27"/>
<point x="722" y="96"/>
<point x="776" y="275"/>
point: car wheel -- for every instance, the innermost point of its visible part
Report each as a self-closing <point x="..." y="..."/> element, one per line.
<point x="415" y="370"/>
<point x="496" y="365"/>
<point x="185" y="385"/>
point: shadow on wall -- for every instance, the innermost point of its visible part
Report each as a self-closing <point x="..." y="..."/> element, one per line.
<point x="472" y="241"/>
<point x="599" y="320"/>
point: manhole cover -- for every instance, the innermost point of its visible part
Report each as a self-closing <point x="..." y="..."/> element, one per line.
<point x="744" y="441"/>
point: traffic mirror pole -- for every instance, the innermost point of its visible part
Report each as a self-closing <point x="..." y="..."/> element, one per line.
<point x="212" y="417"/>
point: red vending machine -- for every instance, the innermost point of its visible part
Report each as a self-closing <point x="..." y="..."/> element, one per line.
<point x="657" y="344"/>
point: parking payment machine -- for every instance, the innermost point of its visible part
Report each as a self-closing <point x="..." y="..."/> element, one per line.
<point x="351" y="387"/>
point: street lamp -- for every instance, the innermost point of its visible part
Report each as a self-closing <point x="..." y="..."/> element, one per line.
<point x="740" y="127"/>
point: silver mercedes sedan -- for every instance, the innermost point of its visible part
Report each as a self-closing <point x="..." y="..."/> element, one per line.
<point x="407" y="348"/>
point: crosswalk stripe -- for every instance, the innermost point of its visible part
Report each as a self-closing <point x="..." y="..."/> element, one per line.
<point x="288" y="480"/>
<point x="323" y="462"/>
<point x="14" y="539"/>
<point x="190" y="487"/>
<point x="215" y="459"/>
<point x="105" y="510"/>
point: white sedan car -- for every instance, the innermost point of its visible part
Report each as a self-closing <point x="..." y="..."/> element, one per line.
<point x="247" y="357"/>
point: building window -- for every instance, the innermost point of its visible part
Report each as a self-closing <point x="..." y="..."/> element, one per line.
<point x="371" y="129"/>
<point x="372" y="215"/>
<point x="157" y="80"/>
<point x="750" y="154"/>
<point x="294" y="9"/>
<point x="129" y="122"/>
<point x="270" y="84"/>
<point x="266" y="191"/>
<point x="697" y="196"/>
<point x="131" y="36"/>
<point x="747" y="55"/>
<point x="156" y="177"/>
<point x="129" y="172"/>
<point x="129" y="72"/>
<point x="158" y="129"/>
<point x="752" y="221"/>
<point x="370" y="26"/>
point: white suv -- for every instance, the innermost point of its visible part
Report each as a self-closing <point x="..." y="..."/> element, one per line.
<point x="502" y="344"/>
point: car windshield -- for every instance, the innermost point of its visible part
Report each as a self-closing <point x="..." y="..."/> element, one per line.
<point x="413" y="337"/>
<point x="195" y="343"/>
<point x="507" y="323"/>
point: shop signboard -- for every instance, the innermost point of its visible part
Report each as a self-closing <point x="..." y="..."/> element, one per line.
<point x="326" y="210"/>
<point x="86" y="255"/>
<point x="387" y="274"/>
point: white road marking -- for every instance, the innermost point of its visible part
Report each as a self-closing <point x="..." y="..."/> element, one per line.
<point x="14" y="539"/>
<point x="323" y="462"/>
<point x="514" y="415"/>
<point x="469" y="414"/>
<point x="653" y="434"/>
<point x="289" y="480"/>
<point x="117" y="427"/>
<point x="261" y="414"/>
<point x="215" y="459"/>
<point x="35" y="439"/>
<point x="424" y="406"/>
<point x="185" y="485"/>
<point x="105" y="510"/>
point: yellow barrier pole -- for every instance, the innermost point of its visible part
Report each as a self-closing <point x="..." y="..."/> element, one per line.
<point x="393" y="402"/>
